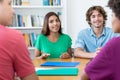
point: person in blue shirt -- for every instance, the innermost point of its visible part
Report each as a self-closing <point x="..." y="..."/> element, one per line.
<point x="90" y="41"/>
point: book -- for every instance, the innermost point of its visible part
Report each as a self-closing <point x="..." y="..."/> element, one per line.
<point x="25" y="2"/>
<point x="45" y="2"/>
<point x="50" y="2"/>
<point x="60" y="64"/>
<point x="57" y="71"/>
<point x="58" y="2"/>
<point x="27" y="40"/>
<point x="20" y="22"/>
<point x="54" y="2"/>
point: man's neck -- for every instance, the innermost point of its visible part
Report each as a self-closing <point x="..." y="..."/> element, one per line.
<point x="98" y="31"/>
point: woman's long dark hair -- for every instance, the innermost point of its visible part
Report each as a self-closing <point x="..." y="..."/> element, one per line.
<point x="45" y="29"/>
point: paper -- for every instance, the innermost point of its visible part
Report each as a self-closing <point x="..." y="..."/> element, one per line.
<point x="37" y="68"/>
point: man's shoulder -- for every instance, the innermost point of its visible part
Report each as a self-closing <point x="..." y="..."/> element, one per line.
<point x="12" y="32"/>
<point x="15" y="34"/>
<point x="108" y="31"/>
<point x="108" y="28"/>
<point x="85" y="31"/>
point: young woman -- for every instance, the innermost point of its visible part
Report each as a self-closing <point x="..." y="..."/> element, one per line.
<point x="106" y="65"/>
<point x="52" y="42"/>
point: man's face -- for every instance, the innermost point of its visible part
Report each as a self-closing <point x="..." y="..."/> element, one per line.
<point x="115" y="23"/>
<point x="6" y="13"/>
<point x="96" y="19"/>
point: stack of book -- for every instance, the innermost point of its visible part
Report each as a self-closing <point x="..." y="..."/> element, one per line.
<point x="20" y="2"/>
<point x="51" y="2"/>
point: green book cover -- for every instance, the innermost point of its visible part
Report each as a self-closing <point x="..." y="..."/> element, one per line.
<point x="57" y="71"/>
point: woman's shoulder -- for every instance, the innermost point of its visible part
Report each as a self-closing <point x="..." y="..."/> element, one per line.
<point x="41" y="37"/>
<point x="113" y="42"/>
<point x="65" y="35"/>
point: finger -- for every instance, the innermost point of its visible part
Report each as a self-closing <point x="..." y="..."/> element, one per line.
<point x="65" y="56"/>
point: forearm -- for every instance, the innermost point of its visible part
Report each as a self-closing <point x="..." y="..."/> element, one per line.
<point x="70" y="51"/>
<point x="84" y="76"/>
<point x="37" y="53"/>
<point x="83" y="54"/>
<point x="32" y="76"/>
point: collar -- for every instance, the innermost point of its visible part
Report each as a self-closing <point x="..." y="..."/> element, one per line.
<point x="93" y="34"/>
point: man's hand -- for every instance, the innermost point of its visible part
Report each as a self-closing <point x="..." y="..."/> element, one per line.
<point x="98" y="49"/>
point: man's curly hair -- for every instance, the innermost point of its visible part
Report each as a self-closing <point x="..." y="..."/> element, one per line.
<point x="97" y="8"/>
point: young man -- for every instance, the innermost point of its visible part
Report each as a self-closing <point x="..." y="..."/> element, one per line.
<point x="14" y="55"/>
<point x="105" y="66"/>
<point x="90" y="41"/>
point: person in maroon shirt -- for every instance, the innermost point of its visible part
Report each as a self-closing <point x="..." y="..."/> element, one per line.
<point x="106" y="65"/>
<point x="14" y="55"/>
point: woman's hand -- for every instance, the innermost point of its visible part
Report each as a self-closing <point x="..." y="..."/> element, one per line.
<point x="44" y="56"/>
<point x="65" y="55"/>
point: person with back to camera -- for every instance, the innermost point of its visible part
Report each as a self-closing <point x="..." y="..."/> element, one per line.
<point x="14" y="55"/>
<point x="52" y="43"/>
<point x="106" y="65"/>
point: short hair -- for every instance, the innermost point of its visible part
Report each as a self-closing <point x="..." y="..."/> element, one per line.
<point x="1" y="0"/>
<point x="45" y="29"/>
<point x="115" y="6"/>
<point x="97" y="8"/>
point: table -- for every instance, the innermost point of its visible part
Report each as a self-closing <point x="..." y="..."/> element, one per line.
<point x="81" y="67"/>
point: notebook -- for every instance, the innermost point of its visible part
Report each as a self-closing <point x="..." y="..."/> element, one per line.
<point x="57" y="72"/>
<point x="60" y="64"/>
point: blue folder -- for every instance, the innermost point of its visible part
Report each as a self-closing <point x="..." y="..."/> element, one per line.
<point x="58" y="72"/>
<point x="60" y="64"/>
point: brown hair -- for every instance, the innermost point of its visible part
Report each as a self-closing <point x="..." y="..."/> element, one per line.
<point x="45" y="29"/>
<point x="97" y="8"/>
<point x="1" y="0"/>
<point x="115" y="6"/>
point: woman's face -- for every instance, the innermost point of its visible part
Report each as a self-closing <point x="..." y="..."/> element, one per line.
<point x="115" y="23"/>
<point x="54" y="24"/>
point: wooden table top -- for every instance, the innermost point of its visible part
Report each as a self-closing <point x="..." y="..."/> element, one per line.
<point x="81" y="67"/>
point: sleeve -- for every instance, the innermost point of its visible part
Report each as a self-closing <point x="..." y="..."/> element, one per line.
<point x="69" y="41"/>
<point x="101" y="67"/>
<point x="113" y="34"/>
<point x="80" y="42"/>
<point x="22" y="62"/>
<point x="116" y="35"/>
<point x="37" y="43"/>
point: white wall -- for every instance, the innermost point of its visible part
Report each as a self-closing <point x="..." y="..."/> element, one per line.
<point x="76" y="20"/>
